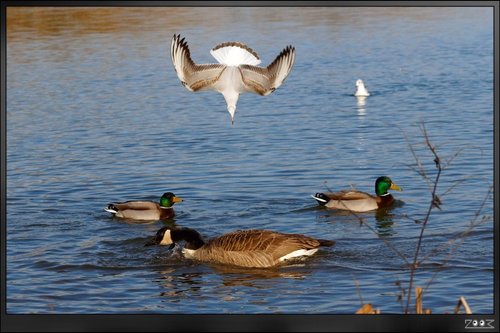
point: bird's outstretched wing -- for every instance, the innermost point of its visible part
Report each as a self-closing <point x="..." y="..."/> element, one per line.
<point x="265" y="80"/>
<point x="193" y="76"/>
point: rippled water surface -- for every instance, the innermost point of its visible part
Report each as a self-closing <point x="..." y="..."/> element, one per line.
<point x="96" y="113"/>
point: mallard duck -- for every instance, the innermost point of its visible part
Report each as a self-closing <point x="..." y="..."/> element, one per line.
<point x="360" y="89"/>
<point x="358" y="201"/>
<point x="237" y="71"/>
<point x="145" y="210"/>
<point x="245" y="248"/>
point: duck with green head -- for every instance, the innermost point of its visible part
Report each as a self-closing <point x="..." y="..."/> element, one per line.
<point x="145" y="210"/>
<point x="358" y="201"/>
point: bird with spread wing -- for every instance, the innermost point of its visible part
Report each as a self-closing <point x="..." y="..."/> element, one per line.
<point x="237" y="71"/>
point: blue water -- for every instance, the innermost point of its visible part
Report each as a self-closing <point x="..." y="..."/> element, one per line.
<point x="96" y="113"/>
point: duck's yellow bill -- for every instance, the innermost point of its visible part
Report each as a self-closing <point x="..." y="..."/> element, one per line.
<point x="177" y="199"/>
<point x="395" y="187"/>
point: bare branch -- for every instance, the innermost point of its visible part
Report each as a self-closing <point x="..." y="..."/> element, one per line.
<point x="420" y="169"/>
<point x="448" y="161"/>
<point x="328" y="188"/>
<point x="460" y="238"/>
<point x="389" y="244"/>
<point x="435" y="202"/>
<point x="358" y="290"/>
<point x="455" y="184"/>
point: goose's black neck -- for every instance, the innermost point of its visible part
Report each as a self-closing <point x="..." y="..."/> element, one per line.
<point x="190" y="236"/>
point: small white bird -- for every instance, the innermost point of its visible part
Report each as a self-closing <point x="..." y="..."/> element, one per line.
<point x="236" y="72"/>
<point x="360" y="89"/>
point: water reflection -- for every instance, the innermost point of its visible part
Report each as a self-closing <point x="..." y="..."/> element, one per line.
<point x="384" y="223"/>
<point x="177" y="284"/>
<point x="181" y="282"/>
<point x="237" y="276"/>
<point x="361" y="102"/>
<point x="384" y="218"/>
<point x="53" y="21"/>
<point x="361" y="133"/>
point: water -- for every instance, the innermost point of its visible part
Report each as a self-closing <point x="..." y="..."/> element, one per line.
<point x="95" y="113"/>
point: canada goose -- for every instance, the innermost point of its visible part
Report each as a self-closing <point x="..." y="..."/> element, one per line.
<point x="360" y="89"/>
<point x="145" y="210"/>
<point x="358" y="201"/>
<point x="237" y="71"/>
<point x="246" y="248"/>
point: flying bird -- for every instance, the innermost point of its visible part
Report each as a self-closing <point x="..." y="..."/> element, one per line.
<point x="237" y="71"/>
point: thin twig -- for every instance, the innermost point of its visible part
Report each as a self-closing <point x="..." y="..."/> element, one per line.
<point x="392" y="247"/>
<point x="420" y="169"/>
<point x="434" y="203"/>
<point x="328" y="188"/>
<point x="358" y="290"/>
<point x="460" y="238"/>
<point x="448" y="161"/>
<point x="453" y="186"/>
<point x="401" y="294"/>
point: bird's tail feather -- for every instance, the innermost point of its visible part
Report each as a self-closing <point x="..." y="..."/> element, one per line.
<point x="326" y="242"/>
<point x="235" y="54"/>
<point x="111" y="209"/>
<point x="320" y="198"/>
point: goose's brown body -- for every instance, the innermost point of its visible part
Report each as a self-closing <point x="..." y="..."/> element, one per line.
<point x="246" y="248"/>
<point x="254" y="248"/>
